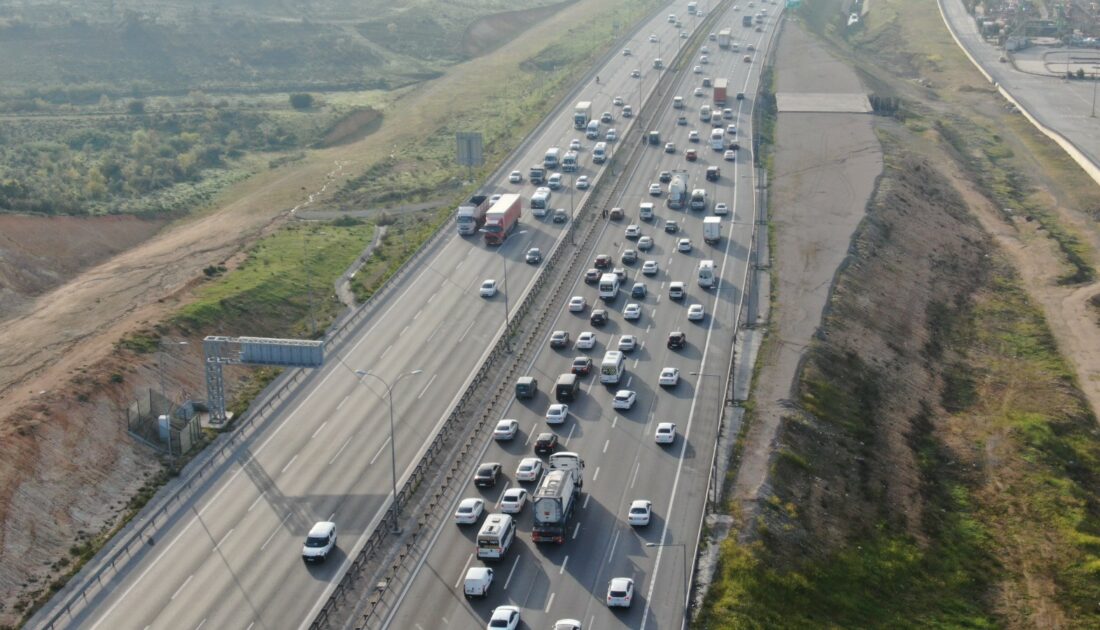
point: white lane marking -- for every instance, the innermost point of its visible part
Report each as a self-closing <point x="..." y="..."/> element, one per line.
<point x="570" y="436"/>
<point x="629" y="379"/>
<point x="467" y="331"/>
<point x="530" y="434"/>
<point x="562" y="569"/>
<point x="380" y="449"/>
<point x="592" y="622"/>
<point x="346" y="442"/>
<point x="502" y="491"/>
<point x="342" y="402"/>
<point x="403" y="331"/>
<point x="222" y="541"/>
<point x="614" y="420"/>
<point x="201" y="623"/>
<point x="597" y="473"/>
<point x="425" y="390"/>
<point x="417" y="314"/>
<point x="606" y="444"/>
<point x="288" y="464"/>
<point x="275" y="531"/>
<point x="385" y="351"/>
<point x="332" y="517"/>
<point x="549" y="602"/>
<point x="463" y="573"/>
<point x="577" y="529"/>
<point x="614" y="541"/>
<point x="430" y="336"/>
<point x="459" y="264"/>
<point x="637" y="467"/>
<point x="185" y="583"/>
<point x="586" y="498"/>
<point x="250" y="626"/>
<point x="445" y="622"/>
<point x="509" y="580"/>
<point x="257" y="500"/>
<point x="431" y="298"/>
<point x="318" y="429"/>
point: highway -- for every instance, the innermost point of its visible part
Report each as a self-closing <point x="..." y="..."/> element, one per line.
<point x="623" y="463"/>
<point x="231" y="555"/>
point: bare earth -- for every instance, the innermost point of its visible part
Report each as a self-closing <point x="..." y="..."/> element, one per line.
<point x="69" y="467"/>
<point x="825" y="171"/>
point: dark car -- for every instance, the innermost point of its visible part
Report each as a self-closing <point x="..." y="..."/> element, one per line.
<point x="546" y="443"/>
<point x="665" y="177"/>
<point x="598" y="317"/>
<point x="734" y="146"/>
<point x="592" y="276"/>
<point x="676" y="340"/>
<point x="616" y="214"/>
<point x="486" y="475"/>
<point x="581" y="366"/>
<point x="713" y="173"/>
<point x="603" y="261"/>
<point x="559" y="339"/>
<point x="534" y="256"/>
<point x="691" y="155"/>
<point x="629" y="257"/>
<point x="671" y="226"/>
<point x="638" y="290"/>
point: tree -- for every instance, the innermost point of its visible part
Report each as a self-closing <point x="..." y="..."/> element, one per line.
<point x="1080" y="73"/>
<point x="301" y="101"/>
<point x="136" y="107"/>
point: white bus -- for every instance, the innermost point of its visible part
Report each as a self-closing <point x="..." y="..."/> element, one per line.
<point x="717" y="139"/>
<point x="495" y="537"/>
<point x="612" y="368"/>
<point x="706" y="273"/>
<point x="609" y="286"/>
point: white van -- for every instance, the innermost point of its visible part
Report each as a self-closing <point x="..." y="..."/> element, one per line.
<point x="645" y="212"/>
<point x="540" y="201"/>
<point x="676" y="290"/>
<point x="495" y="537"/>
<point x="477" y="582"/>
<point x="704" y="113"/>
<point x="706" y="273"/>
<point x="677" y="102"/>
<point x="599" y="153"/>
<point x="593" y="131"/>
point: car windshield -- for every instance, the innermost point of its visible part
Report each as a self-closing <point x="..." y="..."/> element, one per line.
<point x="618" y="593"/>
<point x="637" y="510"/>
<point x="316" y="541"/>
<point x="498" y="623"/>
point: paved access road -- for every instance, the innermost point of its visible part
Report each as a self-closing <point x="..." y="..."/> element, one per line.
<point x="623" y="463"/>
<point x="1063" y="106"/>
<point x="230" y="557"/>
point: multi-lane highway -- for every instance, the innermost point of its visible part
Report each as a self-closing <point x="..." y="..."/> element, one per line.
<point x="549" y="582"/>
<point x="231" y="555"/>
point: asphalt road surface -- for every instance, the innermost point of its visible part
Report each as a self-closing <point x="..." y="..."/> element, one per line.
<point x="1065" y="107"/>
<point x="623" y="462"/>
<point x="230" y="557"/>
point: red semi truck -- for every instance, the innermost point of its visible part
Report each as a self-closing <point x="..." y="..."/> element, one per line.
<point x="501" y="219"/>
<point x="720" y="92"/>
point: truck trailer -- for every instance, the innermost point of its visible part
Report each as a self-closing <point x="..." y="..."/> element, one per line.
<point x="553" y="505"/>
<point x="720" y="87"/>
<point x="501" y="219"/>
<point x="582" y="113"/>
<point x="677" y="192"/>
<point x="724" y="36"/>
<point x="471" y="215"/>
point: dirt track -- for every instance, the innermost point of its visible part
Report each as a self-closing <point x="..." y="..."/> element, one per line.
<point x="825" y="170"/>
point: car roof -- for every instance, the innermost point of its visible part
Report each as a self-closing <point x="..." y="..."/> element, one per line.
<point x="621" y="582"/>
<point x="471" y="501"/>
<point x="322" y="528"/>
<point x="666" y="425"/>
<point x="478" y="573"/>
<point x="639" y="503"/>
<point x="514" y="491"/>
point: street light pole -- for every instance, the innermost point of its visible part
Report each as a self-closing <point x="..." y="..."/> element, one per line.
<point x="683" y="569"/>
<point x="1093" y="115"/>
<point x="395" y="528"/>
<point x="572" y="209"/>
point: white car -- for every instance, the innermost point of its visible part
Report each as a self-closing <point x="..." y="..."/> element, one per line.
<point x="655" y="189"/>
<point x="488" y="288"/>
<point x="693" y="136"/>
<point x="506" y="429"/>
<point x="620" y="592"/>
<point x="627" y="343"/>
<point x="557" y="413"/>
<point x="670" y="376"/>
<point x="468" y="511"/>
<point x="666" y="433"/>
<point x="494" y="198"/>
<point x="730" y="156"/>
<point x="504" y="618"/>
<point x="698" y="91"/>
<point x="640" y="511"/>
<point x="618" y="100"/>
<point x="704" y="59"/>
<point x="585" y="341"/>
<point x="697" y="69"/>
<point x="574" y="145"/>
<point x="652" y="39"/>
<point x="582" y="182"/>
<point x="554" y="182"/>
<point x="612" y="135"/>
<point x="516" y="177"/>
<point x="567" y="624"/>
<point x="721" y="208"/>
<point x="632" y="311"/>
<point x="577" y="303"/>
<point x="731" y="130"/>
<point x="644" y="243"/>
<point x="633" y="231"/>
<point x="695" y="312"/>
<point x="626" y="52"/>
<point x="705" y="49"/>
<point x="320" y="542"/>
<point x="635" y="73"/>
<point x="649" y="268"/>
<point x="683" y="245"/>
<point x="513" y="500"/>
<point x="529" y="469"/>
<point x="624" y="399"/>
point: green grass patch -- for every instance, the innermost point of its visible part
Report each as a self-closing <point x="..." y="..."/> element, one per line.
<point x="269" y="294"/>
